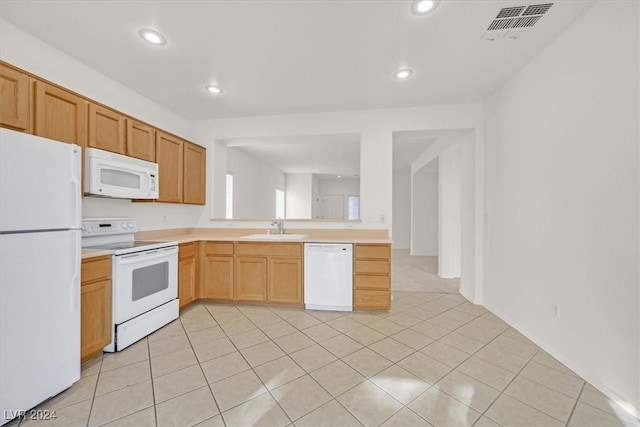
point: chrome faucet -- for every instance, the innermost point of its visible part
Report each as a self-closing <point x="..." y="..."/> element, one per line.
<point x="280" y="225"/>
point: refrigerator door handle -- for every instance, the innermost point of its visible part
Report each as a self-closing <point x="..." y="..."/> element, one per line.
<point x="75" y="278"/>
<point x="76" y="185"/>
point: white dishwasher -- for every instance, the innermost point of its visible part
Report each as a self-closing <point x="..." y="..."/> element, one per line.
<point x="328" y="276"/>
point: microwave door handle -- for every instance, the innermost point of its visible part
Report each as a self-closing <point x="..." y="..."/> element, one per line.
<point x="148" y="182"/>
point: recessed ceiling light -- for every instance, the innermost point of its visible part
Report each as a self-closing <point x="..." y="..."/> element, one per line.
<point x="339" y="176"/>
<point x="403" y="74"/>
<point x="152" y="36"/>
<point x="213" y="89"/>
<point x="422" y="7"/>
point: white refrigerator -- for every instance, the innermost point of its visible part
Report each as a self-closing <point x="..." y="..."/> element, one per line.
<point x="40" y="219"/>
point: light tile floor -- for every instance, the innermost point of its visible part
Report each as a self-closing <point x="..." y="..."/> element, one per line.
<point x="434" y="360"/>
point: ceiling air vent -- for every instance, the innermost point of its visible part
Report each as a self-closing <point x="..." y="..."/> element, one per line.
<point x="512" y="22"/>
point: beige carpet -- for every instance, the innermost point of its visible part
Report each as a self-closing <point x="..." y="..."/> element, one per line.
<point x="419" y="273"/>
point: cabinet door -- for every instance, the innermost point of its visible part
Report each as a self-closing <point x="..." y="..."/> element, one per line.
<point x="251" y="278"/>
<point x="14" y="99"/>
<point x="169" y="155"/>
<point x="59" y="115"/>
<point x="95" y="323"/>
<point x="217" y="277"/>
<point x="141" y="142"/>
<point x="194" y="173"/>
<point x="106" y="129"/>
<point x="186" y="281"/>
<point x="285" y="280"/>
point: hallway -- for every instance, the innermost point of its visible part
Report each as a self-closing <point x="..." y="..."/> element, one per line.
<point x="419" y="273"/>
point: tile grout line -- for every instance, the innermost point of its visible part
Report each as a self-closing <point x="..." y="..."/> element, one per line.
<point x="95" y="388"/>
<point x="386" y="316"/>
<point x="153" y="387"/>
<point x="202" y="371"/>
<point x="575" y="404"/>
<point x="252" y="368"/>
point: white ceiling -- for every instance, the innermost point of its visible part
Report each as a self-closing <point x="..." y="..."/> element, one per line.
<point x="324" y="155"/>
<point x="275" y="57"/>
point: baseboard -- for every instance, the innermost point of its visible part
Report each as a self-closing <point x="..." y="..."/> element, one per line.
<point x="591" y="378"/>
<point x="468" y="297"/>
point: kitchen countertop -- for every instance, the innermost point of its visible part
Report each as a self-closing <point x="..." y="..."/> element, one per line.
<point x="94" y="253"/>
<point x="236" y="235"/>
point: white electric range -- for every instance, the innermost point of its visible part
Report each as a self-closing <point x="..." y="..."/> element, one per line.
<point x="144" y="278"/>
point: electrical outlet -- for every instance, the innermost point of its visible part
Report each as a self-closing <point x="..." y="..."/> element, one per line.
<point x="348" y="226"/>
<point x="229" y="225"/>
<point x="383" y="218"/>
<point x="556" y="310"/>
<point x="164" y="218"/>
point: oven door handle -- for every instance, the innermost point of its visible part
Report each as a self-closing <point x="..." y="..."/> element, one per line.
<point x="145" y="256"/>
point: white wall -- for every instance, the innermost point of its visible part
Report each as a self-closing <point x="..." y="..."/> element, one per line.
<point x="562" y="199"/>
<point x="254" y="185"/>
<point x="298" y="195"/>
<point x="468" y="261"/>
<point x="424" y="213"/>
<point x="449" y="212"/>
<point x="374" y="126"/>
<point x="402" y="209"/>
<point x="315" y="197"/>
<point x="33" y="55"/>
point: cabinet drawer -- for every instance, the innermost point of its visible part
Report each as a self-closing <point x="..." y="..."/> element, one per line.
<point x="373" y="282"/>
<point x="372" y="300"/>
<point x="218" y="248"/>
<point x="373" y="251"/>
<point x="187" y="250"/>
<point x="270" y="249"/>
<point x="95" y="269"/>
<point x="375" y="267"/>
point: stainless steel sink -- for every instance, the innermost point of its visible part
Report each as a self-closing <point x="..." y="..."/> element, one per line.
<point x="265" y="236"/>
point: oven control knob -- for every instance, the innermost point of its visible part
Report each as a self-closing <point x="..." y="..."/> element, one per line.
<point x="130" y="225"/>
<point x="124" y="225"/>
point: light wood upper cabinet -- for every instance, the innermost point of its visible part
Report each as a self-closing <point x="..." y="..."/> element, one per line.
<point x="169" y="156"/>
<point x="195" y="163"/>
<point x="14" y="99"/>
<point x="141" y="141"/>
<point x="59" y="115"/>
<point x="106" y="129"/>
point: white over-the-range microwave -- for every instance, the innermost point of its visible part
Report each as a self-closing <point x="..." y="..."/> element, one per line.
<point x="114" y="175"/>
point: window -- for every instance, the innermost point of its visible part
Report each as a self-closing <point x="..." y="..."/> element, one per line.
<point x="229" y="205"/>
<point x="279" y="203"/>
<point x="354" y="207"/>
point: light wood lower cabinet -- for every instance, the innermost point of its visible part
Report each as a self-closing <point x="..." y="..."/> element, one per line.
<point x="95" y="306"/>
<point x="217" y="280"/>
<point x="372" y="277"/>
<point x="285" y="280"/>
<point x="251" y="278"/>
<point x="269" y="272"/>
<point x="187" y="273"/>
